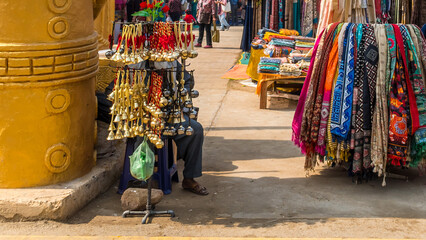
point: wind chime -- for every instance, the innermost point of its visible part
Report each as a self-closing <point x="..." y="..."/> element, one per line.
<point x="150" y="102"/>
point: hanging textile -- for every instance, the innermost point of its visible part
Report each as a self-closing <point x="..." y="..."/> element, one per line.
<point x="267" y="12"/>
<point x="364" y="99"/>
<point x="281" y="14"/>
<point x="248" y="25"/>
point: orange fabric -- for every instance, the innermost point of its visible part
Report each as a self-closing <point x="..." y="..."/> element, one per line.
<point x="332" y="65"/>
<point x="237" y="72"/>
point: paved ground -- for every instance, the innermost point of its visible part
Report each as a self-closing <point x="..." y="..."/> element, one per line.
<point x="256" y="179"/>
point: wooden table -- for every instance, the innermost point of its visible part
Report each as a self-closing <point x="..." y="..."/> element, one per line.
<point x="267" y="80"/>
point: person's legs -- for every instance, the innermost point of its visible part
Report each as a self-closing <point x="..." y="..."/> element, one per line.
<point x="234" y="8"/>
<point x="201" y="34"/>
<point x="224" y="24"/>
<point x="221" y="20"/>
<point x="209" y="34"/>
<point x="190" y="149"/>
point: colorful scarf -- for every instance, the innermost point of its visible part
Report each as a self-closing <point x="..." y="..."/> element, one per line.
<point x="357" y="132"/>
<point x="330" y="77"/>
<point x="418" y="145"/>
<point x="320" y="92"/>
<point x="371" y="57"/>
<point x="298" y="115"/>
<point x="399" y="108"/>
<point x="379" y="134"/>
<point x="342" y="99"/>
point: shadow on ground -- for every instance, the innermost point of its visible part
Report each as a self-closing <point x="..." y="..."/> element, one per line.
<point x="241" y="195"/>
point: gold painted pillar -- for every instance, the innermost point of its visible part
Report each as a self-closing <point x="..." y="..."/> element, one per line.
<point x="48" y="63"/>
<point x="103" y="23"/>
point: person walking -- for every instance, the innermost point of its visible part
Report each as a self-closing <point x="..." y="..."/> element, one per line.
<point x="205" y="16"/>
<point x="175" y="11"/>
<point x="224" y="25"/>
<point x="234" y="9"/>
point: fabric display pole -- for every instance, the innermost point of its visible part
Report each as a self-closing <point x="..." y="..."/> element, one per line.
<point x="363" y="103"/>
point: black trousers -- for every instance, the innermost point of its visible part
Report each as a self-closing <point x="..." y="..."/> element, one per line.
<point x="234" y="16"/>
<point x="190" y="149"/>
<point x="208" y="28"/>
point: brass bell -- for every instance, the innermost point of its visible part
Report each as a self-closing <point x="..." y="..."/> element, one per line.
<point x="194" y="93"/>
<point x="124" y="116"/>
<point x="140" y="129"/>
<point x="159" y="144"/>
<point x="176" y="114"/>
<point x="117" y="118"/>
<point x="155" y="138"/>
<point x="170" y="101"/>
<point x="111" y="96"/>
<point x="139" y="58"/>
<point x="111" y="136"/>
<point x="183" y="92"/>
<point x="188" y="104"/>
<point x="166" y="93"/>
<point x="189" y="131"/>
<point x="193" y="114"/>
<point x="159" y="114"/>
<point x="145" y="119"/>
<point x="193" y="54"/>
<point x="153" y="124"/>
<point x="172" y="131"/>
<point x="163" y="102"/>
<point x="111" y="127"/>
<point x="118" y="135"/>
<point x="176" y="55"/>
<point x="181" y="130"/>
<point x="127" y="59"/>
<point x="117" y="57"/>
<point x="160" y="57"/>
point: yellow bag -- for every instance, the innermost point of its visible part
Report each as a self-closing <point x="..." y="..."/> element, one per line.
<point x="215" y="33"/>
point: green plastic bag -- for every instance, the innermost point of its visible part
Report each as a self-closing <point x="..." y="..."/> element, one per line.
<point x="142" y="162"/>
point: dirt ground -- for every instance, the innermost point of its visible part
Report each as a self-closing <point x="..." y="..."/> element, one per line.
<point x="256" y="180"/>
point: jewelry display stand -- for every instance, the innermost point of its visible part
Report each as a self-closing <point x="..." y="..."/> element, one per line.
<point x="149" y="212"/>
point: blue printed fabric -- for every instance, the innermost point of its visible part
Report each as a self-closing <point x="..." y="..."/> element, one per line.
<point x="343" y="91"/>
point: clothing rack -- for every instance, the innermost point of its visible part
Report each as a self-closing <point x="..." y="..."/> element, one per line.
<point x="149" y="212"/>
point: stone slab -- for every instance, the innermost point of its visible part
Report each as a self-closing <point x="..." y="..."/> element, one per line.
<point x="60" y="201"/>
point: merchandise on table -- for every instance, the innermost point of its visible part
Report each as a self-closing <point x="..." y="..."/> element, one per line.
<point x="288" y="55"/>
<point x="269" y="65"/>
<point x="363" y="102"/>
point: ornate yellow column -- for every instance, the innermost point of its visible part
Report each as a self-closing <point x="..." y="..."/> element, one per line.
<point x="103" y="22"/>
<point x="48" y="63"/>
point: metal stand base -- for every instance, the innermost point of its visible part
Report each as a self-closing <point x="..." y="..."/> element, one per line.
<point x="149" y="212"/>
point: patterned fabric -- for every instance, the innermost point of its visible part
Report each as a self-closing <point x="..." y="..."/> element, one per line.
<point x="281" y="14"/>
<point x="379" y="134"/>
<point x="418" y="146"/>
<point x="320" y="91"/>
<point x="308" y="14"/>
<point x="298" y="115"/>
<point x="342" y="99"/>
<point x="399" y="112"/>
<point x="357" y="136"/>
<point x="332" y="73"/>
<point x="267" y="12"/>
<point x="371" y="57"/>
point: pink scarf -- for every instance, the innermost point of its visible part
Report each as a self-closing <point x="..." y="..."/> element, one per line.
<point x="297" y="120"/>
